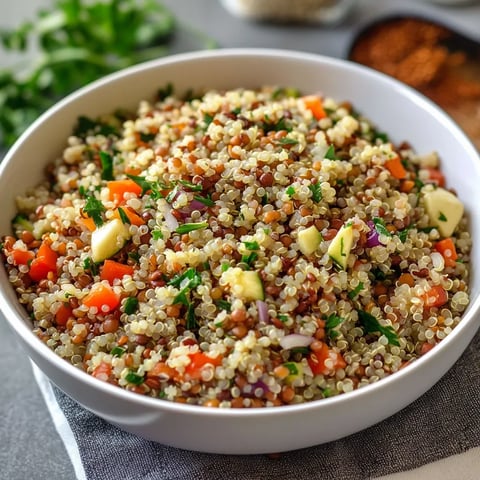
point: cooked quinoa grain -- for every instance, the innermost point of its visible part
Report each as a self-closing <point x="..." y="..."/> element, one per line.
<point x="240" y="249"/>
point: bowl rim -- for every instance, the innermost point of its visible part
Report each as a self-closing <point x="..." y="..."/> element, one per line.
<point x="20" y="326"/>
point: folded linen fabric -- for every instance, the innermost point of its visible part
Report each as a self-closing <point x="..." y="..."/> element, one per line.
<point x="443" y="422"/>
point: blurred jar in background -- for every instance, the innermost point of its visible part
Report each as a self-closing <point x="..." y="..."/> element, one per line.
<point x="324" y="12"/>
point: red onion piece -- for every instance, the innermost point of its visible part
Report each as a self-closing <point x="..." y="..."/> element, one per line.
<point x="170" y="220"/>
<point x="295" y="340"/>
<point x="187" y="210"/>
<point x="372" y="236"/>
<point x="262" y="308"/>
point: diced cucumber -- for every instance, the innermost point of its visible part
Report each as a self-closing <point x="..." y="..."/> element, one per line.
<point x="21" y="222"/>
<point x="309" y="239"/>
<point x="245" y="284"/>
<point x="296" y="372"/>
<point x="340" y="246"/>
<point x="108" y="239"/>
<point x="444" y="209"/>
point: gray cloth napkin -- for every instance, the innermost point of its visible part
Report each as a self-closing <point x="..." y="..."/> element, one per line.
<point x="443" y="422"/>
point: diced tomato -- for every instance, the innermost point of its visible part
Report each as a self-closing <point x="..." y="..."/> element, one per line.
<point x="112" y="270"/>
<point x="316" y="361"/>
<point x="435" y="297"/>
<point x="315" y="104"/>
<point x="102" y="297"/>
<point x="436" y="176"/>
<point x="162" y="370"/>
<point x="447" y="248"/>
<point x="44" y="262"/>
<point x="63" y="314"/>
<point x="198" y="360"/>
<point x="22" y="257"/>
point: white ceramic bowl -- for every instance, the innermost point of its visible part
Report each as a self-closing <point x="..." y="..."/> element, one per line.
<point x="395" y="108"/>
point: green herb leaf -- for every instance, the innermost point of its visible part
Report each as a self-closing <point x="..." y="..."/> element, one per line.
<point x="442" y="217"/>
<point x="91" y="266"/>
<point x="157" y="234"/>
<point x="224" y="305"/>
<point x="191" y="320"/>
<point x="131" y="305"/>
<point x="380" y="226"/>
<point x="249" y="259"/>
<point x="207" y="119"/>
<point x="287" y="141"/>
<point x="251" y="245"/>
<point x="147" y="137"/>
<point x="290" y="191"/>
<point x="403" y="234"/>
<point x="330" y="153"/>
<point x="316" y="190"/>
<point x="107" y="165"/>
<point x="190" y="227"/>
<point x="207" y="201"/>
<point x="117" y="351"/>
<point x="292" y="368"/>
<point x="372" y="325"/>
<point x="331" y="323"/>
<point x="94" y="208"/>
<point x="123" y="216"/>
<point x="353" y="293"/>
<point x="134" y="378"/>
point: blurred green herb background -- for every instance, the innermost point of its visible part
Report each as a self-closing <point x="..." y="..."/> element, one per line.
<point x="77" y="43"/>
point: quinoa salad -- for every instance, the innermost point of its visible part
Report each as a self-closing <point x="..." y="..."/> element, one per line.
<point x="242" y="248"/>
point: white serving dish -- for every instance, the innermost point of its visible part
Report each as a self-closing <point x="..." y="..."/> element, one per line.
<point x="396" y="109"/>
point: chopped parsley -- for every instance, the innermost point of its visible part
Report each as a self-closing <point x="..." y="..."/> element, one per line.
<point x="331" y="323"/>
<point x="185" y="282"/>
<point x="270" y="126"/>
<point x="288" y="92"/>
<point x="292" y="368"/>
<point x="191" y="320"/>
<point x="290" y="191"/>
<point x="250" y="258"/>
<point x="224" y="305"/>
<point x="207" y="201"/>
<point x="383" y="137"/>
<point x="94" y="208"/>
<point x="380" y="226"/>
<point x="316" y="190"/>
<point x="330" y="153"/>
<point x="118" y="351"/>
<point x="207" y="119"/>
<point x="134" y="378"/>
<point x="372" y="325"/>
<point x="90" y="265"/>
<point x="251" y="245"/>
<point x="403" y="234"/>
<point x="131" y="305"/>
<point x="107" y="165"/>
<point x="287" y="141"/>
<point x="123" y="216"/>
<point x="190" y="227"/>
<point x="157" y="234"/>
<point x="442" y="217"/>
<point x="353" y="293"/>
<point x="147" y="137"/>
<point x="146" y="186"/>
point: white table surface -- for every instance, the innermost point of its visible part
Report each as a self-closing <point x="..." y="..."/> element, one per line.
<point x="29" y="445"/>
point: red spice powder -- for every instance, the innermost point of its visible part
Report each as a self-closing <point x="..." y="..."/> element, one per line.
<point x="413" y="51"/>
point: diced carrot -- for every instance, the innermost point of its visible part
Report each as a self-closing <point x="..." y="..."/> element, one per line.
<point x="317" y="359"/>
<point x="436" y="176"/>
<point x="88" y="223"/>
<point x="44" y="262"/>
<point x="436" y="296"/>
<point x="112" y="270"/>
<point x="162" y="370"/>
<point x="133" y="217"/>
<point x="63" y="314"/>
<point x="447" y="248"/>
<point x="102" y="297"/>
<point x="22" y="257"/>
<point x="118" y="188"/>
<point x="198" y="360"/>
<point x="406" y="278"/>
<point x="315" y="104"/>
<point x="102" y="371"/>
<point x="407" y="186"/>
<point x="396" y="168"/>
